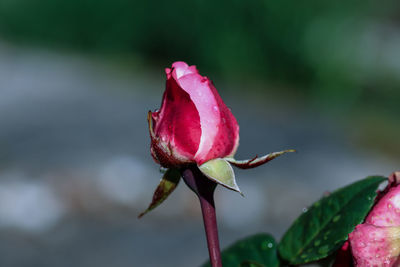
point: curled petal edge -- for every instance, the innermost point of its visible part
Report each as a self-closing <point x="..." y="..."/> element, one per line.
<point x="256" y="161"/>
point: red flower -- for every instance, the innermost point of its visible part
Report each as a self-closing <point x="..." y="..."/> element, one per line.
<point x="376" y="242"/>
<point x="193" y="124"/>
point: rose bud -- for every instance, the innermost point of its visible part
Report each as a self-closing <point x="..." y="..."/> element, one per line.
<point x="376" y="242"/>
<point x="194" y="126"/>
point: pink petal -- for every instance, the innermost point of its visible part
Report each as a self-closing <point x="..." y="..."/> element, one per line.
<point x="226" y="140"/>
<point x="387" y="211"/>
<point x="180" y="69"/>
<point x="374" y="246"/>
<point x="203" y="98"/>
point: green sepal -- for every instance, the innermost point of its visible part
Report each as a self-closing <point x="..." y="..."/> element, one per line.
<point x="221" y="172"/>
<point x="166" y="186"/>
<point x="257" y="161"/>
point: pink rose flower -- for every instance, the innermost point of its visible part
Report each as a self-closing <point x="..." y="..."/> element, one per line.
<point x="193" y="124"/>
<point x="376" y="242"/>
<point x="195" y="127"/>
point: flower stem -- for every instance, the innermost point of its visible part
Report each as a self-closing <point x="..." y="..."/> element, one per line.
<point x="204" y="189"/>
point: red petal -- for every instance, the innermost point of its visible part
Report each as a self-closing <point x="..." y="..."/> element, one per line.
<point x="179" y="121"/>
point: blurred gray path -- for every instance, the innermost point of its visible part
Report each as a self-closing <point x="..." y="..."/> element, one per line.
<point x="75" y="168"/>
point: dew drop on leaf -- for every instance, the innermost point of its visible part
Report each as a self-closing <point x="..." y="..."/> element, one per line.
<point x="266" y="245"/>
<point x="336" y="218"/>
<point x="323" y="249"/>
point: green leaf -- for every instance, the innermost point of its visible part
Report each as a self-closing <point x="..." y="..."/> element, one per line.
<point x="319" y="231"/>
<point x="251" y="264"/>
<point x="221" y="172"/>
<point x="167" y="185"/>
<point x="255" y="250"/>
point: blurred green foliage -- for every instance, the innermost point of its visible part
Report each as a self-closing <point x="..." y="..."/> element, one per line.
<point x="334" y="51"/>
<point x="342" y="56"/>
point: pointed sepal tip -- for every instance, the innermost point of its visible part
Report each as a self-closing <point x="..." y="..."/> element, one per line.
<point x="257" y="161"/>
<point x="166" y="186"/>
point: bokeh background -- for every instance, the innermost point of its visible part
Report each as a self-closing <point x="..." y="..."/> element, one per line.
<point x="77" y="78"/>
